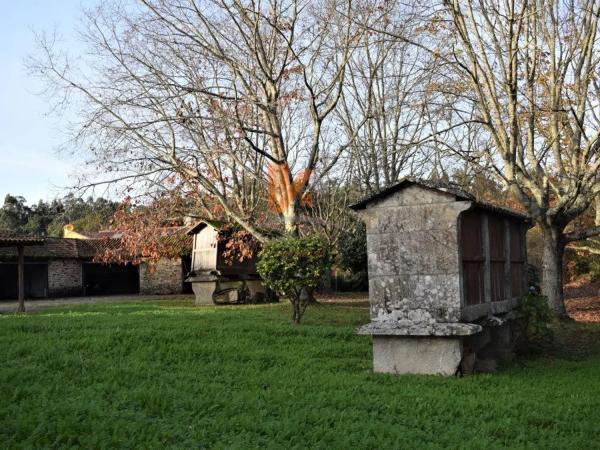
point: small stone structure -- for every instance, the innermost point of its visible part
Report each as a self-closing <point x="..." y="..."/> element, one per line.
<point x="213" y="278"/>
<point x="445" y="274"/>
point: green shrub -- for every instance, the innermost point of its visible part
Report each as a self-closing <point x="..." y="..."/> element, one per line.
<point x="535" y="318"/>
<point x="533" y="277"/>
<point x="352" y="248"/>
<point x="291" y="264"/>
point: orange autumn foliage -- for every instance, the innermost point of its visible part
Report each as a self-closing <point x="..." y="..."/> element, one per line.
<point x="147" y="233"/>
<point x="282" y="191"/>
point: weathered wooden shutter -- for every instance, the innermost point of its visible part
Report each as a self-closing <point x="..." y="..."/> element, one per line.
<point x="497" y="238"/>
<point x="473" y="258"/>
<point x="517" y="260"/>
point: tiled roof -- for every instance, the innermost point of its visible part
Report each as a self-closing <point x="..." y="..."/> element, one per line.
<point x="53" y="247"/>
<point x="89" y="248"/>
<point x="72" y="248"/>
<point x="104" y="234"/>
<point x="9" y="239"/>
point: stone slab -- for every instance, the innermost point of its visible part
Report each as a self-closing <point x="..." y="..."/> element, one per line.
<point x="387" y="328"/>
<point x="424" y="356"/>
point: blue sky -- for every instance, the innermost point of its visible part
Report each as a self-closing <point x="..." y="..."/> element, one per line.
<point x="29" y="163"/>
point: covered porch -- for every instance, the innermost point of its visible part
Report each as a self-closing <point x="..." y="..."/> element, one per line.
<point x="20" y="242"/>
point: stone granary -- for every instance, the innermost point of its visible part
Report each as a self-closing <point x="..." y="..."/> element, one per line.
<point x="445" y="275"/>
<point x="214" y="278"/>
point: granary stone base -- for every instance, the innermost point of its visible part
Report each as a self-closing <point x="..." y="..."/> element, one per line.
<point x="416" y="355"/>
<point x="203" y="292"/>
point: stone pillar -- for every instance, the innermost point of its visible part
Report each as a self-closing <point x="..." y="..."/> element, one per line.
<point x="21" y="277"/>
<point x="203" y="291"/>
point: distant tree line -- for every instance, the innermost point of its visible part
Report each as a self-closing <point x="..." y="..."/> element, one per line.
<point x="49" y="218"/>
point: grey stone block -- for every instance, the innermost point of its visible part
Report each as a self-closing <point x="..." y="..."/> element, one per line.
<point x="405" y="355"/>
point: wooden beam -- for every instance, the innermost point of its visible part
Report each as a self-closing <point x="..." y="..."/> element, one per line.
<point x="487" y="267"/>
<point x="21" y="277"/>
<point x="507" y="264"/>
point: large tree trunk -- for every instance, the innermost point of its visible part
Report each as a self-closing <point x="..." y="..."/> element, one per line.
<point x="290" y="221"/>
<point x="552" y="270"/>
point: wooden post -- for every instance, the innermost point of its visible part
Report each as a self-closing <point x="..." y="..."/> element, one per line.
<point x="507" y="264"/>
<point x="487" y="274"/>
<point x="21" y="277"/>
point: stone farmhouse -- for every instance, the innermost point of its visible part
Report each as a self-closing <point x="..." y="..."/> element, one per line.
<point x="62" y="267"/>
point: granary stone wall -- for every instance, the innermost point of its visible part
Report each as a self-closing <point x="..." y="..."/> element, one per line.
<point x="64" y="277"/>
<point x="165" y="278"/>
<point x="414" y="265"/>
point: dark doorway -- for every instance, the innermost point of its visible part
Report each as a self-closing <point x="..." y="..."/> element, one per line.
<point x="186" y="267"/>
<point x="36" y="280"/>
<point x="110" y="279"/>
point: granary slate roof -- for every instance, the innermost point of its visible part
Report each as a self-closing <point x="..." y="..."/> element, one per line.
<point x="196" y="227"/>
<point x="458" y="193"/>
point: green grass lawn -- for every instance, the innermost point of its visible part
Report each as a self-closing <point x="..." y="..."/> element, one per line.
<point x="169" y="375"/>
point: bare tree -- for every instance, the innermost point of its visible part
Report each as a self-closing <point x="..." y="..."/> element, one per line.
<point x="382" y="103"/>
<point x="327" y="210"/>
<point x="525" y="73"/>
<point x="215" y="95"/>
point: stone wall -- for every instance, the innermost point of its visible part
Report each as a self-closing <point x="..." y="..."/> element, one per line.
<point x="64" y="277"/>
<point x="166" y="278"/>
<point x="414" y="263"/>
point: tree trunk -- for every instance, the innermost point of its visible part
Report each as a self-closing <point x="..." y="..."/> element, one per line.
<point x="296" y="311"/>
<point x="552" y="270"/>
<point x="289" y="220"/>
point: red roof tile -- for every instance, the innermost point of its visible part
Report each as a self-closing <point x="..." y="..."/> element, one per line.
<point x="8" y="239"/>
